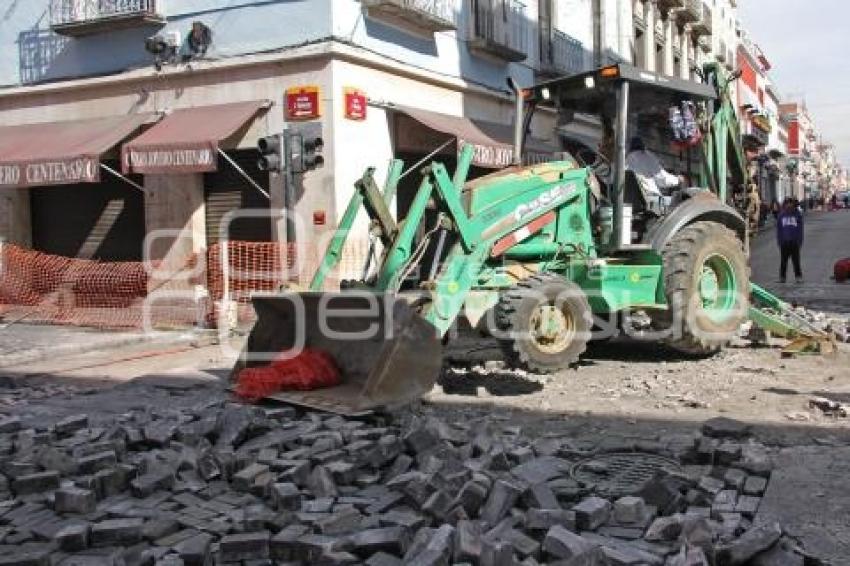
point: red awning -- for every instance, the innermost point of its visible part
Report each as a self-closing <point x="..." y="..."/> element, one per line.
<point x="186" y="141"/>
<point x="492" y="142"/>
<point x="61" y="153"/>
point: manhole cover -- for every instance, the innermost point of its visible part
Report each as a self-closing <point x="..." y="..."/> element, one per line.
<point x="619" y="474"/>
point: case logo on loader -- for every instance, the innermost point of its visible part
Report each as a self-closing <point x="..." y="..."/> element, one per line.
<point x="548" y="198"/>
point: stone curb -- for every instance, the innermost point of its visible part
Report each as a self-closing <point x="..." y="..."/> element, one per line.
<point x="193" y="337"/>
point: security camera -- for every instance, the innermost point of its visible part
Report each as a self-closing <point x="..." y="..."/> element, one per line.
<point x="199" y="39"/>
<point x="156" y="45"/>
<point x="163" y="48"/>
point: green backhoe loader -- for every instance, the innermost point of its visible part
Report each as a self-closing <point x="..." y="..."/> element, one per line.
<point x="542" y="257"/>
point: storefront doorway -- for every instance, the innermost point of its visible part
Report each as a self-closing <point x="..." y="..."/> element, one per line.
<point x="101" y="221"/>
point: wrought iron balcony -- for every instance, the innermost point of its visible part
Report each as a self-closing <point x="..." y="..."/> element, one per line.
<point x="498" y="28"/>
<point x="86" y="17"/>
<point x="560" y="55"/>
<point x="660" y="31"/>
<point x="667" y="5"/>
<point x="731" y="63"/>
<point x="704" y="43"/>
<point x="704" y="25"/>
<point x="639" y="14"/>
<point x="427" y="16"/>
<point x="692" y="12"/>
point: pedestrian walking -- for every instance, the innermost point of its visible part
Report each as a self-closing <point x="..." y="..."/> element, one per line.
<point x="789" y="236"/>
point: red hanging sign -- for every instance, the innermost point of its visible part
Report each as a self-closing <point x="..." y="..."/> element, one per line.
<point x="303" y="103"/>
<point x="355" y="104"/>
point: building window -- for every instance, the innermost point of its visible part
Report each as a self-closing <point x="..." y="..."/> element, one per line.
<point x="638" y="51"/>
<point x="659" y="57"/>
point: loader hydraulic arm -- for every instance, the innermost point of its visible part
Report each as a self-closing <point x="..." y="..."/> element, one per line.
<point x="722" y="145"/>
<point x="528" y="201"/>
<point x="366" y="194"/>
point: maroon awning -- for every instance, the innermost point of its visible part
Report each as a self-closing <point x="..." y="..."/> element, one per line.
<point x="61" y="153"/>
<point x="492" y="142"/>
<point x="186" y="141"/>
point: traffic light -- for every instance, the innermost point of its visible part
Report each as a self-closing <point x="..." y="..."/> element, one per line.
<point x="304" y="146"/>
<point x="270" y="148"/>
<point x="312" y="152"/>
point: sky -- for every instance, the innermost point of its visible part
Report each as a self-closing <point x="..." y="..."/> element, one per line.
<point x="808" y="44"/>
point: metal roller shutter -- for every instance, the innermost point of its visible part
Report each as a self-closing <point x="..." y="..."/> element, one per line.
<point x="104" y="221"/>
<point x="226" y="190"/>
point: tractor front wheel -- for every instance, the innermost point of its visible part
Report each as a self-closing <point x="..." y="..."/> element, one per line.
<point x="706" y="279"/>
<point x="545" y="323"/>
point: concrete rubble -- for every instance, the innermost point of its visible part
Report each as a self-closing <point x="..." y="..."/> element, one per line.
<point x="836" y="324"/>
<point x="224" y="483"/>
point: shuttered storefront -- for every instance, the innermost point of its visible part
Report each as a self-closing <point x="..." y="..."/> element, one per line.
<point x="226" y="190"/>
<point x="103" y="221"/>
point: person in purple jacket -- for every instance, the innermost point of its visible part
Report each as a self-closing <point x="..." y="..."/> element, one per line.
<point x="789" y="236"/>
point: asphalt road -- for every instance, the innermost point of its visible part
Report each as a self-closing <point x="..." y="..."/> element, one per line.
<point x="827" y="240"/>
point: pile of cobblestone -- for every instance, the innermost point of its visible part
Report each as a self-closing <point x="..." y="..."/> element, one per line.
<point x="837" y="325"/>
<point x="227" y="484"/>
<point x="834" y="324"/>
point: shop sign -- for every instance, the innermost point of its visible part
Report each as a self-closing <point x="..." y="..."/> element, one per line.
<point x="170" y="159"/>
<point x="355" y="104"/>
<point x="55" y="172"/>
<point x="303" y="103"/>
<point x="491" y="156"/>
<point x="762" y="123"/>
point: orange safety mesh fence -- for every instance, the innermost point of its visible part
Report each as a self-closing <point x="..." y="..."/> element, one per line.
<point x="42" y="288"/>
<point x="309" y="369"/>
<point x="254" y="267"/>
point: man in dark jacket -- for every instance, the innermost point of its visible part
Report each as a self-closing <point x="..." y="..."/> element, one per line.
<point x="789" y="236"/>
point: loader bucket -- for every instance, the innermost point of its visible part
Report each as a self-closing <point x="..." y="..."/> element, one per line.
<point x="387" y="354"/>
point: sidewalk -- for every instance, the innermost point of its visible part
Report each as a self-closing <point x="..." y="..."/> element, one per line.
<point x="28" y="343"/>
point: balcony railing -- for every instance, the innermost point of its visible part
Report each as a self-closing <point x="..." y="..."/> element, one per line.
<point x="704" y="25"/>
<point x="704" y="43"/>
<point x="660" y="31"/>
<point x="84" y="17"/>
<point x="427" y="16"/>
<point x="639" y="14"/>
<point x="692" y="12"/>
<point x="667" y="5"/>
<point x="560" y="55"/>
<point x="499" y="28"/>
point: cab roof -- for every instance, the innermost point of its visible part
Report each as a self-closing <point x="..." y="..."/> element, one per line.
<point x="594" y="91"/>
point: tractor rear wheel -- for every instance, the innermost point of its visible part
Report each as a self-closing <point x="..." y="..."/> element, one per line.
<point x="545" y="323"/>
<point x="707" y="280"/>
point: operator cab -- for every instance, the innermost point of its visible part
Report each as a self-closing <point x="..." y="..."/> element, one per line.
<point x="630" y="108"/>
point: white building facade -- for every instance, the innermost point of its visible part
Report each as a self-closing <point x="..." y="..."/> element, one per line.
<point x="66" y="67"/>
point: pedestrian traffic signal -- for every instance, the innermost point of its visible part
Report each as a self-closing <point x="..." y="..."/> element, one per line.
<point x="270" y="148"/>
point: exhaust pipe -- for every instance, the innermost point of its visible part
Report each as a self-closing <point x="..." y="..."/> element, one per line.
<point x="519" y="121"/>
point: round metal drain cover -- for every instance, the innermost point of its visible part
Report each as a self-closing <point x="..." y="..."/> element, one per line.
<point x="619" y="474"/>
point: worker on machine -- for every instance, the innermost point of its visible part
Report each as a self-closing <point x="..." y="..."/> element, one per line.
<point x="654" y="179"/>
<point x="753" y="207"/>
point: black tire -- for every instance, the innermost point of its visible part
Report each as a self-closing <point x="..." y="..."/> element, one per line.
<point x="692" y="329"/>
<point x="518" y="311"/>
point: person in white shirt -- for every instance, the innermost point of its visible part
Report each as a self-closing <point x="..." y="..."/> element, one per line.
<point x="650" y="173"/>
